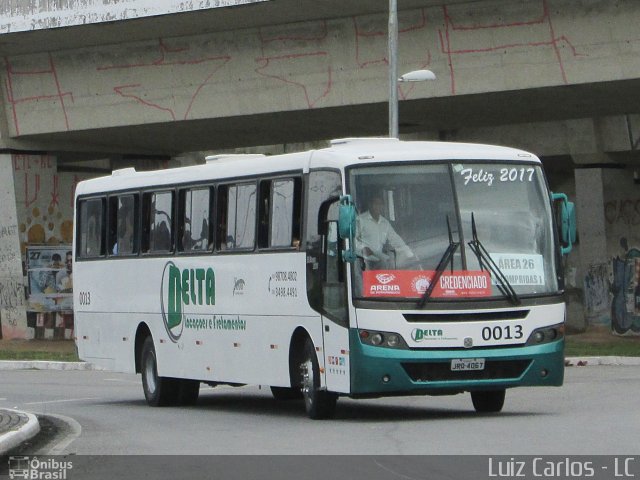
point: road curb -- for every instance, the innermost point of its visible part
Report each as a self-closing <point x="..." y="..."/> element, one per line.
<point x="26" y="431"/>
<point x="602" y="361"/>
<point x="45" y="365"/>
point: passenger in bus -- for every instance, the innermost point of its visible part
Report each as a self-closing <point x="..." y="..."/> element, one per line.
<point x="93" y="239"/>
<point x="230" y="243"/>
<point x="376" y="238"/>
<point x="162" y="237"/>
<point x="202" y="243"/>
<point x="187" y="240"/>
<point x="124" y="244"/>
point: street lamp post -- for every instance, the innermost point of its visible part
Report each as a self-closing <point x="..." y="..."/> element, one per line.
<point x="415" y="76"/>
<point x="393" y="69"/>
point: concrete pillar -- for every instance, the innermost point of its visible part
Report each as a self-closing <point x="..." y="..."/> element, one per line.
<point x="592" y="248"/>
<point x="13" y="317"/>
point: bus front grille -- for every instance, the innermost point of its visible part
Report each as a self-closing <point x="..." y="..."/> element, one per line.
<point x="466" y="316"/>
<point x="441" y="371"/>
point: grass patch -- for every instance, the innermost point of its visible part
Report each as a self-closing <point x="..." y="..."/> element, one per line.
<point x="599" y="342"/>
<point x="48" y="350"/>
<point x="39" y="355"/>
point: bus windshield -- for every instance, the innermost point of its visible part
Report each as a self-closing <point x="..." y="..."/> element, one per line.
<point x="423" y="222"/>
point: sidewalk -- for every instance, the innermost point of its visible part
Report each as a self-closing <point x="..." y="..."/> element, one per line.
<point x="604" y="361"/>
<point x="15" y="428"/>
<point x="45" y="365"/>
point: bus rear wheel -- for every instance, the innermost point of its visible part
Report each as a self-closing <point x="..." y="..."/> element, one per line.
<point x="318" y="403"/>
<point x="490" y="401"/>
<point x="158" y="391"/>
<point x="188" y="391"/>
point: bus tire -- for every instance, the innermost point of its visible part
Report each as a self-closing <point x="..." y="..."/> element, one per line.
<point x="188" y="391"/>
<point x="286" y="393"/>
<point x="158" y="391"/>
<point x="318" y="403"/>
<point x="490" y="401"/>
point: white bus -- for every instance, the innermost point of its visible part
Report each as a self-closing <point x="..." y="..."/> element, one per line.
<point x="371" y="268"/>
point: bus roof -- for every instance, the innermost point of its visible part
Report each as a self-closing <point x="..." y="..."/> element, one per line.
<point x="340" y="154"/>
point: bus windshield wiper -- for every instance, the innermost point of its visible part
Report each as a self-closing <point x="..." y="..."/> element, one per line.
<point x="483" y="256"/>
<point x="447" y="257"/>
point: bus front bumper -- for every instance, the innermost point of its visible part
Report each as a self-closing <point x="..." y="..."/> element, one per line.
<point x="380" y="371"/>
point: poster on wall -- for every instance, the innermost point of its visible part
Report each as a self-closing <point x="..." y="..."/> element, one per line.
<point x="50" y="275"/>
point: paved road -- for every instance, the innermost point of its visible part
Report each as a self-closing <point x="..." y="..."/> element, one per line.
<point x="596" y="412"/>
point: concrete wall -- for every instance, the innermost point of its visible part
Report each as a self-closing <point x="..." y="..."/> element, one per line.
<point x="13" y="320"/>
<point x="475" y="47"/>
<point x="27" y="15"/>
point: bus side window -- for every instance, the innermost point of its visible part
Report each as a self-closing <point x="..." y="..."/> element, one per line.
<point x="237" y="216"/>
<point x="91" y="228"/>
<point x="285" y="212"/>
<point x="280" y="207"/>
<point x="122" y="225"/>
<point x="157" y="222"/>
<point x="194" y="220"/>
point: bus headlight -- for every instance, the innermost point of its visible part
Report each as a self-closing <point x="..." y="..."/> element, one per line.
<point x="393" y="340"/>
<point x="382" y="339"/>
<point x="544" y="335"/>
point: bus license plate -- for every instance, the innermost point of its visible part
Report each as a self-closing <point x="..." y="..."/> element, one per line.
<point x="464" y="364"/>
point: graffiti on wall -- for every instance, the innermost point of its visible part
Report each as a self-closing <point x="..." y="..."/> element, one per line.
<point x="625" y="288"/>
<point x="624" y="212"/>
<point x="612" y="291"/>
<point x="44" y="200"/>
<point x="189" y="77"/>
<point x="177" y="63"/>
<point x="11" y="287"/>
<point x="285" y="58"/>
<point x="530" y="26"/>
<point x="596" y="290"/>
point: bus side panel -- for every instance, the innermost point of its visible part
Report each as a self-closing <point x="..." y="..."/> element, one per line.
<point x="102" y="340"/>
<point x="336" y="357"/>
<point x="226" y="318"/>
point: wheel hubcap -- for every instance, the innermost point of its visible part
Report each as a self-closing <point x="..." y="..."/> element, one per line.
<point x="307" y="383"/>
<point x="150" y="374"/>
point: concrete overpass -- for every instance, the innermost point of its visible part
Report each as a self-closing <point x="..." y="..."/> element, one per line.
<point x="134" y="78"/>
<point x="297" y="70"/>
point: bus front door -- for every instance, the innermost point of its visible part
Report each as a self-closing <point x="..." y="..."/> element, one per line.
<point x="334" y="318"/>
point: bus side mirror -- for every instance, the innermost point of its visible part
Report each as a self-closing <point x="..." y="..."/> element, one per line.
<point x="567" y="221"/>
<point x="347" y="226"/>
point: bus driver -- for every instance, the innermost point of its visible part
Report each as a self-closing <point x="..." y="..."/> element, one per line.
<point x="375" y="237"/>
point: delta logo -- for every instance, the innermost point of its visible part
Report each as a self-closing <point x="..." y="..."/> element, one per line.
<point x="420" y="334"/>
<point x="180" y="287"/>
<point x="384" y="285"/>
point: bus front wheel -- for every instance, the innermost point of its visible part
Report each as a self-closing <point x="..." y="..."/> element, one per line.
<point x="318" y="403"/>
<point x="490" y="401"/>
<point x="158" y="391"/>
